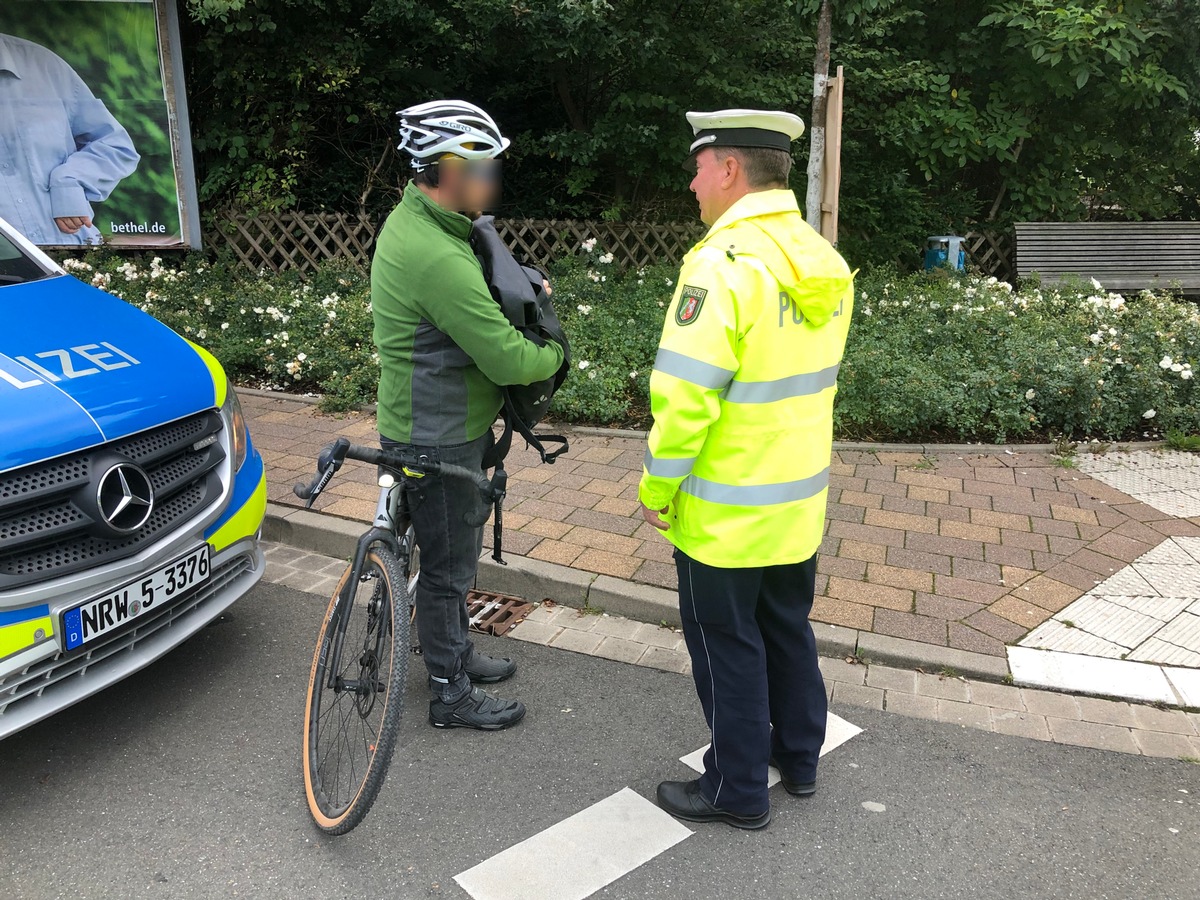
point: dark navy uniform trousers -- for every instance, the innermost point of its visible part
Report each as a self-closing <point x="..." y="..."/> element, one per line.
<point x="754" y="660"/>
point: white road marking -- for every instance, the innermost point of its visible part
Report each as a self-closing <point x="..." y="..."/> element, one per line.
<point x="593" y="848"/>
<point x="581" y="854"/>
<point x="837" y="732"/>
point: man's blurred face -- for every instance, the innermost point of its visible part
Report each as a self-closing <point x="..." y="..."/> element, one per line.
<point x="469" y="185"/>
<point x="712" y="184"/>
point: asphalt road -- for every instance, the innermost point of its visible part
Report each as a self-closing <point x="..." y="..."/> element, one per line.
<point x="184" y="783"/>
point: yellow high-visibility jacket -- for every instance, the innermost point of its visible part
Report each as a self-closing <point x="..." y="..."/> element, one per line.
<point x="743" y="385"/>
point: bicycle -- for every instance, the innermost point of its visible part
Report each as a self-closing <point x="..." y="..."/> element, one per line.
<point x="356" y="685"/>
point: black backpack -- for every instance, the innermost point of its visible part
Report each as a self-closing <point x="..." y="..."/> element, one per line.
<point x="522" y="296"/>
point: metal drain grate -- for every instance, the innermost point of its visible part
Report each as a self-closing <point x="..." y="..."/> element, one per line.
<point x="495" y="613"/>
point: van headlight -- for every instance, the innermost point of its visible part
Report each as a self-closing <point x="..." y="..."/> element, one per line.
<point x="235" y="422"/>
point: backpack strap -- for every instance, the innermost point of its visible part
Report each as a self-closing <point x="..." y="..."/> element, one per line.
<point x="498" y="452"/>
<point x="536" y="441"/>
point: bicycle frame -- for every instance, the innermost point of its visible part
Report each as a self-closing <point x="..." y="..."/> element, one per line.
<point x="389" y="514"/>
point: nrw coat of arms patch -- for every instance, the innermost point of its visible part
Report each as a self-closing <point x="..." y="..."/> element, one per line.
<point x="690" y="301"/>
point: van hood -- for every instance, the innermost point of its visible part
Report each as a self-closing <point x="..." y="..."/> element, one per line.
<point x="79" y="367"/>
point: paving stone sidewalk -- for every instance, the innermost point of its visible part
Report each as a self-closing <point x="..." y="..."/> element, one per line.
<point x="954" y="548"/>
<point x="943" y="697"/>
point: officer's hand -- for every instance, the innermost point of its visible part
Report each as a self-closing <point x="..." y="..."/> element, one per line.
<point x="546" y="285"/>
<point x="71" y="224"/>
<point x="654" y="517"/>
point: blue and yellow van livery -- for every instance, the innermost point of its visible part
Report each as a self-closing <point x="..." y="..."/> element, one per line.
<point x="131" y="495"/>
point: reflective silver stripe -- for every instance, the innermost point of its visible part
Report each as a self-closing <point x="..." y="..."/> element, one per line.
<point x="668" y="468"/>
<point x="704" y="374"/>
<point x="803" y="385"/>
<point x="755" y="494"/>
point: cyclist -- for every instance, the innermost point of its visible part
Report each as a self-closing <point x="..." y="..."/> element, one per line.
<point x="445" y="348"/>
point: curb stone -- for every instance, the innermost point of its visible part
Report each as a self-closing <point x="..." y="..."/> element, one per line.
<point x="536" y="581"/>
<point x="892" y="651"/>
<point x="635" y="601"/>
<point x="308" y="530"/>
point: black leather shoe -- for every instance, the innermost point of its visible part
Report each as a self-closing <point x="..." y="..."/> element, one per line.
<point x="793" y="787"/>
<point x="488" y="669"/>
<point x="683" y="800"/>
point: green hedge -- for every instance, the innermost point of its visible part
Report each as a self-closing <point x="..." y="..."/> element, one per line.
<point x="969" y="359"/>
<point x="930" y="357"/>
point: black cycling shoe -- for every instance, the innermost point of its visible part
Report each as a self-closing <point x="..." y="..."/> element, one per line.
<point x="476" y="710"/>
<point x="793" y="787"/>
<point x="488" y="669"/>
<point x="683" y="800"/>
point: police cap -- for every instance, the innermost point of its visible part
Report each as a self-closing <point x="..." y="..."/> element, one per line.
<point x="769" y="129"/>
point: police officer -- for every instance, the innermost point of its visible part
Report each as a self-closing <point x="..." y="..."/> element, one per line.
<point x="737" y="470"/>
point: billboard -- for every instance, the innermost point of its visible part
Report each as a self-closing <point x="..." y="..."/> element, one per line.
<point x="94" y="142"/>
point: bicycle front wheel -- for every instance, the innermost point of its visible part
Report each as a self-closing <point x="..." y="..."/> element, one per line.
<point x="356" y="693"/>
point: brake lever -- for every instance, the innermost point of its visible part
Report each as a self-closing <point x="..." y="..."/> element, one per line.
<point x="310" y="493"/>
<point x="331" y="459"/>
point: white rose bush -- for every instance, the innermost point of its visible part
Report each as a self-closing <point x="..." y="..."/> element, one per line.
<point x="976" y="360"/>
<point x="272" y="331"/>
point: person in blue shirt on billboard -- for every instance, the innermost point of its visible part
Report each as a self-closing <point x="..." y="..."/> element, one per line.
<point x="61" y="150"/>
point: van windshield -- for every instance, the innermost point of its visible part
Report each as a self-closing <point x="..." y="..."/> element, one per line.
<point x="15" y="266"/>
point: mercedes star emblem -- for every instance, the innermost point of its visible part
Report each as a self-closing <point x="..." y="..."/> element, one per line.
<point x="125" y="498"/>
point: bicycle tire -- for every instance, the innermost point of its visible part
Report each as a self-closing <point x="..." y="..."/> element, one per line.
<point x="335" y="723"/>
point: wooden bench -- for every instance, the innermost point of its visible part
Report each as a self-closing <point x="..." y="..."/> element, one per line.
<point x="1122" y="256"/>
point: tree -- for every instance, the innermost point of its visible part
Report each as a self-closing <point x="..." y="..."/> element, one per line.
<point x="820" y="104"/>
<point x="592" y="92"/>
<point x="956" y="112"/>
<point x="998" y="110"/>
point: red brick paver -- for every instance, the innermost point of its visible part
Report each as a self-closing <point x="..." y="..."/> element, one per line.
<point x="962" y="550"/>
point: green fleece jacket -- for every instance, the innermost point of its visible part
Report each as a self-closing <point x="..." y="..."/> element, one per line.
<point x="444" y="344"/>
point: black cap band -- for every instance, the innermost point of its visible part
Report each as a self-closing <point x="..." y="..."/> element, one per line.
<point x="741" y="137"/>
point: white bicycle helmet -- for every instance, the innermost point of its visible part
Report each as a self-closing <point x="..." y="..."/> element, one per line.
<point x="428" y="131"/>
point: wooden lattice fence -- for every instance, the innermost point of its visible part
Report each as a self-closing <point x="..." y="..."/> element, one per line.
<point x="992" y="253"/>
<point x="292" y="240"/>
<point x="289" y="240"/>
<point x="630" y="243"/>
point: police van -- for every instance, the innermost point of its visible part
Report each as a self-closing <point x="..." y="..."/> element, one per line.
<point x="131" y="497"/>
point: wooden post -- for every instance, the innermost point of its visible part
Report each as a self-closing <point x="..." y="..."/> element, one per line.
<point x="832" y="175"/>
<point x="816" y="131"/>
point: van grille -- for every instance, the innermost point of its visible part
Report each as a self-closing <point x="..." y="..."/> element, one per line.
<point x="45" y="530"/>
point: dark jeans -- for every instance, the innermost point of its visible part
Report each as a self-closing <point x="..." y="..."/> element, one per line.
<point x="754" y="661"/>
<point x="450" y="550"/>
